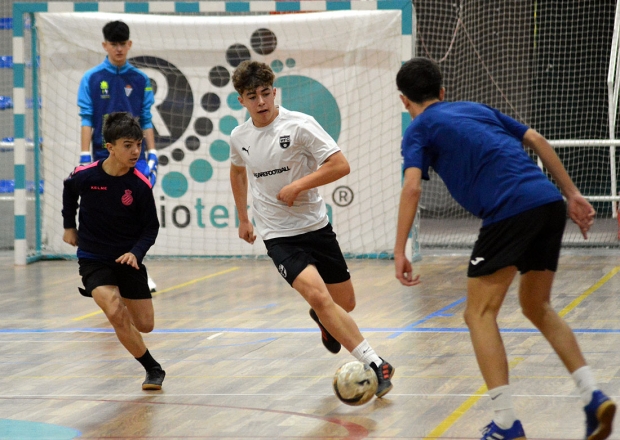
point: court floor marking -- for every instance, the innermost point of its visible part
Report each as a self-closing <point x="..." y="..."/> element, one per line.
<point x="354" y="431"/>
<point x="238" y="330"/>
<point x="261" y="395"/>
<point x="447" y="423"/>
<point x="178" y="286"/>
<point x="574" y="303"/>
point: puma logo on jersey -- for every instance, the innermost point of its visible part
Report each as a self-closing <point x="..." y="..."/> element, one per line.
<point x="247" y="150"/>
<point x="477" y="260"/>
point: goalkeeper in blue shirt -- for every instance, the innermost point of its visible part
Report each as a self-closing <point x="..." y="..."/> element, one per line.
<point x="478" y="153"/>
<point x="113" y="86"/>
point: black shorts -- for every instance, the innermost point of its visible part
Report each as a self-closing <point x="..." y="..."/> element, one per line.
<point x="292" y="255"/>
<point x="132" y="283"/>
<point x="530" y="240"/>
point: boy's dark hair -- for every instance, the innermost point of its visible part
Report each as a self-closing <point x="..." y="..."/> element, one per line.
<point x="120" y="125"/>
<point x="116" y="32"/>
<point x="250" y="75"/>
<point x="419" y="79"/>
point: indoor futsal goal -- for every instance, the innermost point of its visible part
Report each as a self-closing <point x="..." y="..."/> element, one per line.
<point x="335" y="60"/>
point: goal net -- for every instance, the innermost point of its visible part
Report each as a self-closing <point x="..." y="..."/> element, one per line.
<point x="338" y="66"/>
<point x="546" y="65"/>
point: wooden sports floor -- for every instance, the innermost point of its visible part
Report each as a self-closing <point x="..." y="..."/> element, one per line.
<point x="245" y="361"/>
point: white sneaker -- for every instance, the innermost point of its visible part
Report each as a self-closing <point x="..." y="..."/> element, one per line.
<point x="152" y="285"/>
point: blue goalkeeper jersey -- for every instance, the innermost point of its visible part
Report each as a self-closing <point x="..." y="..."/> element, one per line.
<point x="105" y="89"/>
<point x="478" y="153"/>
<point x="117" y="214"/>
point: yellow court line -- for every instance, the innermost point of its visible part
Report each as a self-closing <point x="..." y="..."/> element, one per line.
<point x="465" y="406"/>
<point x="159" y="292"/>
<point x="574" y="303"/>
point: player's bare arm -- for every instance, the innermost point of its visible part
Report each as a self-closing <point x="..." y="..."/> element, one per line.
<point x="409" y="199"/>
<point x="332" y="169"/>
<point x="579" y="209"/>
<point x="239" y="185"/>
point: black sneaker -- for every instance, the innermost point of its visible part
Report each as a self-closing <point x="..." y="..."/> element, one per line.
<point x="384" y="373"/>
<point x="328" y="340"/>
<point x="154" y="379"/>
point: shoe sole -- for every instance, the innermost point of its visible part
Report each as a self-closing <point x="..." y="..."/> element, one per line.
<point x="605" y="416"/>
<point x="150" y="387"/>
<point x="388" y="389"/>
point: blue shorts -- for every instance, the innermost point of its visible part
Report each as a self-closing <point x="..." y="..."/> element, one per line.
<point x="292" y="255"/>
<point x="530" y="241"/>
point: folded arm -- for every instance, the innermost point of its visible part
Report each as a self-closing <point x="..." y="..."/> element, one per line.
<point x="332" y="169"/>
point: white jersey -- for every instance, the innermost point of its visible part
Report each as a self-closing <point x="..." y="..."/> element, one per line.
<point x="291" y="147"/>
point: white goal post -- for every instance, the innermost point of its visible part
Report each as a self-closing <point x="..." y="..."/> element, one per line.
<point x="337" y="62"/>
<point x="533" y="61"/>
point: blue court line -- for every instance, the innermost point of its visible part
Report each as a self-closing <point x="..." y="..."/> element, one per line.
<point x="27" y="430"/>
<point x="439" y="313"/>
<point x="398" y="331"/>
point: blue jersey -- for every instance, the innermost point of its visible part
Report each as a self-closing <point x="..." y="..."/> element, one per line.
<point x="117" y="213"/>
<point x="478" y="153"/>
<point x="105" y="89"/>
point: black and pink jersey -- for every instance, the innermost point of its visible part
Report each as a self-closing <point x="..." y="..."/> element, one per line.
<point x="117" y="213"/>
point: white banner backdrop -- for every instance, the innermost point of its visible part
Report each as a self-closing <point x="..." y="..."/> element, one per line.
<point x="338" y="66"/>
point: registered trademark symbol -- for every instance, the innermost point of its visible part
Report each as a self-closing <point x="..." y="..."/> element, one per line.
<point x="342" y="196"/>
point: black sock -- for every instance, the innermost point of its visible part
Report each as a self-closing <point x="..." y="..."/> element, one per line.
<point x="148" y="362"/>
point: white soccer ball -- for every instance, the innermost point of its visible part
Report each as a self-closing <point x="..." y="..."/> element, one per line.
<point x="355" y="383"/>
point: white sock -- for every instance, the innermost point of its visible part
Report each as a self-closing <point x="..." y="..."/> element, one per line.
<point x="364" y="353"/>
<point x="501" y="402"/>
<point x="586" y="385"/>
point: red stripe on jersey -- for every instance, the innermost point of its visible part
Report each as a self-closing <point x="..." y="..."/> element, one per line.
<point x="143" y="177"/>
<point x="84" y="167"/>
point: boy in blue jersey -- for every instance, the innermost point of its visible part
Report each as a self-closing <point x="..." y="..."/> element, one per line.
<point x="478" y="152"/>
<point x="116" y="86"/>
<point x="118" y="224"/>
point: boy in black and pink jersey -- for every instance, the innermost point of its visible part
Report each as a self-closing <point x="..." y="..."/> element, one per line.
<point x="118" y="224"/>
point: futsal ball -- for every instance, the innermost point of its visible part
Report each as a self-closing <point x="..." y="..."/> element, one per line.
<point x="355" y="383"/>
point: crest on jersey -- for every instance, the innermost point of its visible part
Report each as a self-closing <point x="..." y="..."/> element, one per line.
<point x="105" y="90"/>
<point x="285" y="142"/>
<point x="127" y="198"/>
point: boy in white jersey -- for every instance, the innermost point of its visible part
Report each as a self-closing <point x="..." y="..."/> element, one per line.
<point x="288" y="155"/>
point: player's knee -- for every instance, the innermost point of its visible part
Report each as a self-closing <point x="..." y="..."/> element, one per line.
<point x="117" y="315"/>
<point x="145" y="327"/>
<point x="535" y="314"/>
<point x="111" y="305"/>
<point x="467" y="317"/>
<point x="471" y="317"/>
<point x="348" y="304"/>
<point x="319" y="299"/>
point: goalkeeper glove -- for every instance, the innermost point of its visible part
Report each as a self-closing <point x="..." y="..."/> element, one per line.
<point x="152" y="162"/>
<point x="85" y="158"/>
